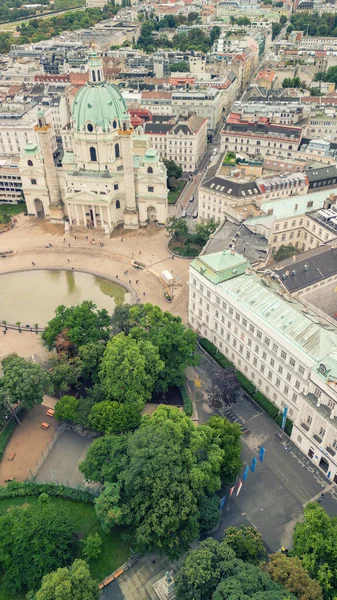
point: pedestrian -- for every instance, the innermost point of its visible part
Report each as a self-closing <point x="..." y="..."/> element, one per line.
<point x="116" y="276"/>
<point x="143" y="293"/>
<point x="86" y="237"/>
<point x="121" y="239"/>
<point x="68" y="259"/>
<point x="172" y="257"/>
<point x="129" y="280"/>
<point x="64" y="240"/>
<point x="72" y="268"/>
<point x="33" y="263"/>
<point x="140" y="251"/>
<point x="126" y="272"/>
<point x="75" y="237"/>
<point x="132" y="254"/>
<point x="68" y="245"/>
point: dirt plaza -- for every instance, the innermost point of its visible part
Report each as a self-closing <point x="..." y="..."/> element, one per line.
<point x="89" y="250"/>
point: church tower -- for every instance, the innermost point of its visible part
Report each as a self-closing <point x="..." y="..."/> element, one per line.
<point x="45" y="136"/>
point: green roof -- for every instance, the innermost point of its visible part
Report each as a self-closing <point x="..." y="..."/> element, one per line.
<point x="99" y="104"/>
<point x="220" y="266"/>
<point x="68" y="158"/>
<point x="31" y="149"/>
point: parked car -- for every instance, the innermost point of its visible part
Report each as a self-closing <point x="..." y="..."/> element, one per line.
<point x="191" y="198"/>
<point x="195" y="214"/>
<point x="183" y="214"/>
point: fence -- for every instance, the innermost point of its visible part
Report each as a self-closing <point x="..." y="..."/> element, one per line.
<point x="45" y="454"/>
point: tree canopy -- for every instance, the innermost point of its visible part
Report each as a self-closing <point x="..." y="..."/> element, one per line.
<point x="130" y="369"/>
<point x="247" y="543"/>
<point x="34" y="540"/>
<point x="290" y="572"/>
<point x="214" y="571"/>
<point x="314" y="542"/>
<point x="159" y="473"/>
<point x="79" y="325"/>
<point x="175" y="343"/>
<point x="68" y="583"/>
<point x="23" y="382"/>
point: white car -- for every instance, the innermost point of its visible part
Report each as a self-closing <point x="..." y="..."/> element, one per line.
<point x="183" y="214"/>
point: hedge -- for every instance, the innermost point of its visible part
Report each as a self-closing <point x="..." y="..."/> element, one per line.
<point x="289" y="424"/>
<point x="24" y="488"/>
<point x="265" y="404"/>
<point x="5" y="436"/>
<point x="247" y="385"/>
<point x="188" y="408"/>
<point x="215" y="353"/>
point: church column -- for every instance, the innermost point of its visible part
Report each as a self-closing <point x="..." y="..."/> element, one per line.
<point x="94" y="214"/>
<point x="76" y="213"/>
<point x="69" y="214"/>
<point x="101" y="213"/>
<point x="84" y="217"/>
<point x="109" y="217"/>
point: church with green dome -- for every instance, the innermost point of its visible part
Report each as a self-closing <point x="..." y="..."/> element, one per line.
<point x="108" y="174"/>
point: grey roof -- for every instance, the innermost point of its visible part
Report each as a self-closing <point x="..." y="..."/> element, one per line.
<point x="181" y="127"/>
<point x="309" y="268"/>
<point x="158" y="127"/>
<point x="319" y="173"/>
<point x="232" y="187"/>
<point x="252" y="246"/>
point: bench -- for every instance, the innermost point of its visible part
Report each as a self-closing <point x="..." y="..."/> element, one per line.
<point x="50" y="412"/>
<point x="45" y="425"/>
<point x="11" y="456"/>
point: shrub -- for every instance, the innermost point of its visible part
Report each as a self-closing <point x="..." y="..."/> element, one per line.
<point x="15" y="489"/>
<point x="5" y="436"/>
<point x="214" y="353"/>
<point x="188" y="409"/>
<point x="66" y="409"/>
<point x="266" y="405"/>
<point x="247" y="385"/>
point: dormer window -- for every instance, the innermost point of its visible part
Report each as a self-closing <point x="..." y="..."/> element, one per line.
<point x="90" y="127"/>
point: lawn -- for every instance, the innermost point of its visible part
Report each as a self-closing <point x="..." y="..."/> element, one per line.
<point x="13" y="209"/>
<point x="115" y="551"/>
<point x="173" y="195"/>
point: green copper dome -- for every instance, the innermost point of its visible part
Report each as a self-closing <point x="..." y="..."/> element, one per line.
<point x="99" y="105"/>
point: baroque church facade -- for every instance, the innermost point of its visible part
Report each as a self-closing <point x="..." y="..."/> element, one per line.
<point x="109" y="175"/>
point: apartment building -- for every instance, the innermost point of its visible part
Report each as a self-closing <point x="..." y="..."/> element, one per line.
<point x="289" y="354"/>
<point x="322" y="124"/>
<point x="184" y="141"/>
<point x="259" y="137"/>
<point x="10" y="182"/>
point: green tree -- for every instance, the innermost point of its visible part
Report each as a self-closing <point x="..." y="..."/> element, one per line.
<point x="92" y="546"/>
<point x="113" y="417"/>
<point x="107" y="508"/>
<point x="247" y="543"/>
<point x="129" y="369"/>
<point x="34" y="540"/>
<point x="66" y="409"/>
<point x="202" y="570"/>
<point x="314" y="542"/>
<point x="91" y="355"/>
<point x="181" y="67"/>
<point x="329" y="75"/>
<point x="285" y="252"/>
<point x="177" y="228"/>
<point x="289" y="572"/>
<point x="283" y="19"/>
<point x="204" y="230"/>
<point x="228" y="437"/>
<point x="173" y="172"/>
<point x="24" y="382"/>
<point x="244" y="581"/>
<point x="209" y="513"/>
<point x="175" y="343"/>
<point x="64" y="372"/>
<point x="168" y="466"/>
<point x="81" y="324"/>
<point x="105" y="459"/>
<point x="69" y="583"/>
<point x="276" y="29"/>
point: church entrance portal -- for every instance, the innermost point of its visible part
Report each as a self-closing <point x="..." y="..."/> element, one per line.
<point x="151" y="214"/>
<point x="323" y="463"/>
<point x="39" y="210"/>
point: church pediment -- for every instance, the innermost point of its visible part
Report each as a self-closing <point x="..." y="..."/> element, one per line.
<point x="86" y="197"/>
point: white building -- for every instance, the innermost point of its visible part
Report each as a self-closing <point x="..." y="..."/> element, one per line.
<point x="288" y="353"/>
<point x="185" y="142"/>
<point x="16" y="127"/>
<point x="108" y="177"/>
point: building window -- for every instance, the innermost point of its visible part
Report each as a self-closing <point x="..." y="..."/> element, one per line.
<point x="244" y="322"/>
<point x="288" y="377"/>
<point x="275" y="347"/>
<point x="301" y="370"/>
<point x="291" y="362"/>
<point x="286" y="389"/>
<point x="90" y="128"/>
<point x="93" y="154"/>
<point x="259" y="335"/>
<point x="251" y="328"/>
<point x="334" y="444"/>
<point x="321" y="432"/>
<point x="264" y="355"/>
<point x="208" y="294"/>
<point x="33" y="181"/>
<point x="309" y="420"/>
<point x="270" y="374"/>
<point x="149" y="170"/>
<point x="280" y="369"/>
<point x="118" y="204"/>
<point x="283" y="355"/>
<point x="272" y="362"/>
<point x="117" y="153"/>
<point x="230" y="311"/>
<point x="150" y="188"/>
<point x="115" y="186"/>
<point x="262" y="368"/>
<point x="267" y="341"/>
<point x="318" y="392"/>
<point x="294" y="398"/>
<point x="277" y="382"/>
<point x="30" y="163"/>
<point x="297" y="384"/>
<point x="218" y="300"/>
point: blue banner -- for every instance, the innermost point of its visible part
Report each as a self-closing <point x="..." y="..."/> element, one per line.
<point x="262" y="453"/>
<point x="245" y="473"/>
<point x="284" y="418"/>
<point x="222" y="502"/>
<point x="253" y="465"/>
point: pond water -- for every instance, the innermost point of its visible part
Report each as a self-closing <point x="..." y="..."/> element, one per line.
<point x="32" y="296"/>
